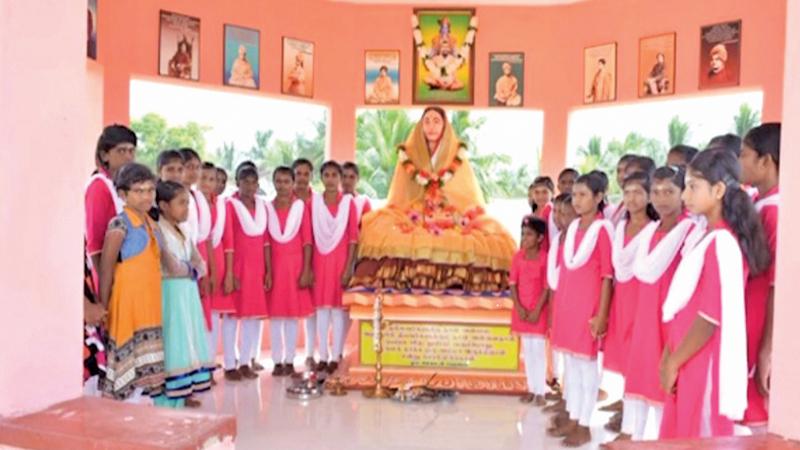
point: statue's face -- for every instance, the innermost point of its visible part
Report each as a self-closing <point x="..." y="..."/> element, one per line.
<point x="507" y="68"/>
<point x="432" y="125"/>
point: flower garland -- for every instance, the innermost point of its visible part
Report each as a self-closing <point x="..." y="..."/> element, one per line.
<point x="427" y="179"/>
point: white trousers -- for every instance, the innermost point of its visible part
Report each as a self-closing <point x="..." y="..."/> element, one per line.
<point x="635" y="413"/>
<point x="584" y="379"/>
<point x="326" y="317"/>
<point x="283" y="340"/>
<point x="533" y="351"/>
<point x="229" y="349"/>
<point x="213" y="335"/>
<point x="249" y="330"/>
<point x="311" y="334"/>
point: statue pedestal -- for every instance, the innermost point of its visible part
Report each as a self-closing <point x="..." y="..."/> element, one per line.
<point x="465" y="341"/>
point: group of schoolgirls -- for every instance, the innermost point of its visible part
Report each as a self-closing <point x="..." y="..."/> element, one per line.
<point x="671" y="289"/>
<point x="171" y="260"/>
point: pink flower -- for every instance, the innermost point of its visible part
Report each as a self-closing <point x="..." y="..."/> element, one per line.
<point x="463" y="222"/>
<point x="414" y="216"/>
<point x="436" y="231"/>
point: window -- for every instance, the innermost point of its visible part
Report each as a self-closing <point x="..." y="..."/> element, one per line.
<point x="227" y="127"/>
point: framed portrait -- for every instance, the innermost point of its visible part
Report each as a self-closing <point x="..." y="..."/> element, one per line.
<point x="720" y="54"/>
<point x="241" y="57"/>
<point x="600" y="73"/>
<point x="179" y="46"/>
<point x="297" y="76"/>
<point x="382" y="77"/>
<point x="444" y="56"/>
<point x="506" y="79"/>
<point x="91" y="30"/>
<point x="657" y="65"/>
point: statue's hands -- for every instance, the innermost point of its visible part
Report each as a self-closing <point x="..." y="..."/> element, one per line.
<point x="414" y="21"/>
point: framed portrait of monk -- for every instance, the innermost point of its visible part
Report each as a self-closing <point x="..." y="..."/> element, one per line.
<point x="720" y="54"/>
<point x="297" y="69"/>
<point x="382" y="77"/>
<point x="241" y="47"/>
<point x="657" y="65"/>
<point x="506" y="79"/>
<point x="600" y="73"/>
<point x="179" y="46"/>
<point x="444" y="56"/>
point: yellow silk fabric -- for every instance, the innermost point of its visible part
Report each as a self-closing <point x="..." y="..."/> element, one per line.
<point x="390" y="233"/>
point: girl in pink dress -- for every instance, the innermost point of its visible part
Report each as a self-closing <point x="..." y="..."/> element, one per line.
<point x="116" y="147"/>
<point x="563" y="214"/>
<point x="335" y="227"/>
<point x="584" y="294"/>
<point x="704" y="366"/>
<point x="220" y="305"/>
<point x="289" y="238"/>
<point x="528" y="279"/>
<point x="350" y="177"/>
<point x="540" y="196"/>
<point x="246" y="265"/>
<point x="303" y="170"/>
<point x="760" y="160"/>
<point x="627" y="238"/>
<point x="657" y="258"/>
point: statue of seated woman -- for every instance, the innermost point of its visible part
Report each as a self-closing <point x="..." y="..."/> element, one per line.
<point x="433" y="233"/>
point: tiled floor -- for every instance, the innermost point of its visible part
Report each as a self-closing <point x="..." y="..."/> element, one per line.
<point x="267" y="419"/>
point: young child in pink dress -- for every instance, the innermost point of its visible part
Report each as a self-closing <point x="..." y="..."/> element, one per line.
<point x="657" y="258"/>
<point x="627" y="239"/>
<point x="540" y="197"/>
<point x="704" y="366"/>
<point x="303" y="170"/>
<point x="246" y="265"/>
<point x="335" y="226"/>
<point x="584" y="294"/>
<point x="289" y="238"/>
<point x="528" y="280"/>
<point x="760" y="160"/>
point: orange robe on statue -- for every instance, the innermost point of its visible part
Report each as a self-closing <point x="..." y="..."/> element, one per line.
<point x="433" y="233"/>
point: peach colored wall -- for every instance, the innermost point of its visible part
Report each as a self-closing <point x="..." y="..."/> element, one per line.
<point x="552" y="38"/>
<point x="49" y="103"/>
<point x="128" y="45"/>
<point x="785" y="403"/>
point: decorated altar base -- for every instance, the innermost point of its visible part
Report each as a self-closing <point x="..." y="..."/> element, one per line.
<point x="465" y="341"/>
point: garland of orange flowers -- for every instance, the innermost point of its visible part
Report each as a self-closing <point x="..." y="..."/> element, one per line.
<point x="427" y="179"/>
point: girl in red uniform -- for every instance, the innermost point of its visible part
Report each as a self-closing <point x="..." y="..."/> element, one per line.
<point x="704" y="365"/>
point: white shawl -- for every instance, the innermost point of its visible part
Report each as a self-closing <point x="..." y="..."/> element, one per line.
<point x="574" y="260"/>
<point x="329" y="230"/>
<point x="552" y="262"/>
<point x="252" y="226"/>
<point x="772" y="200"/>
<point x="293" y="222"/>
<point x="219" y="226"/>
<point x="651" y="265"/>
<point x="624" y="256"/>
<point x="360" y="201"/>
<point x="118" y="203"/>
<point x="203" y="215"/>
<point x="733" y="335"/>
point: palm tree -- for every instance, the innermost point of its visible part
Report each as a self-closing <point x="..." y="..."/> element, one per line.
<point x="592" y="155"/>
<point x="378" y="133"/>
<point x="678" y="132"/>
<point x="224" y="156"/>
<point x="747" y="119"/>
